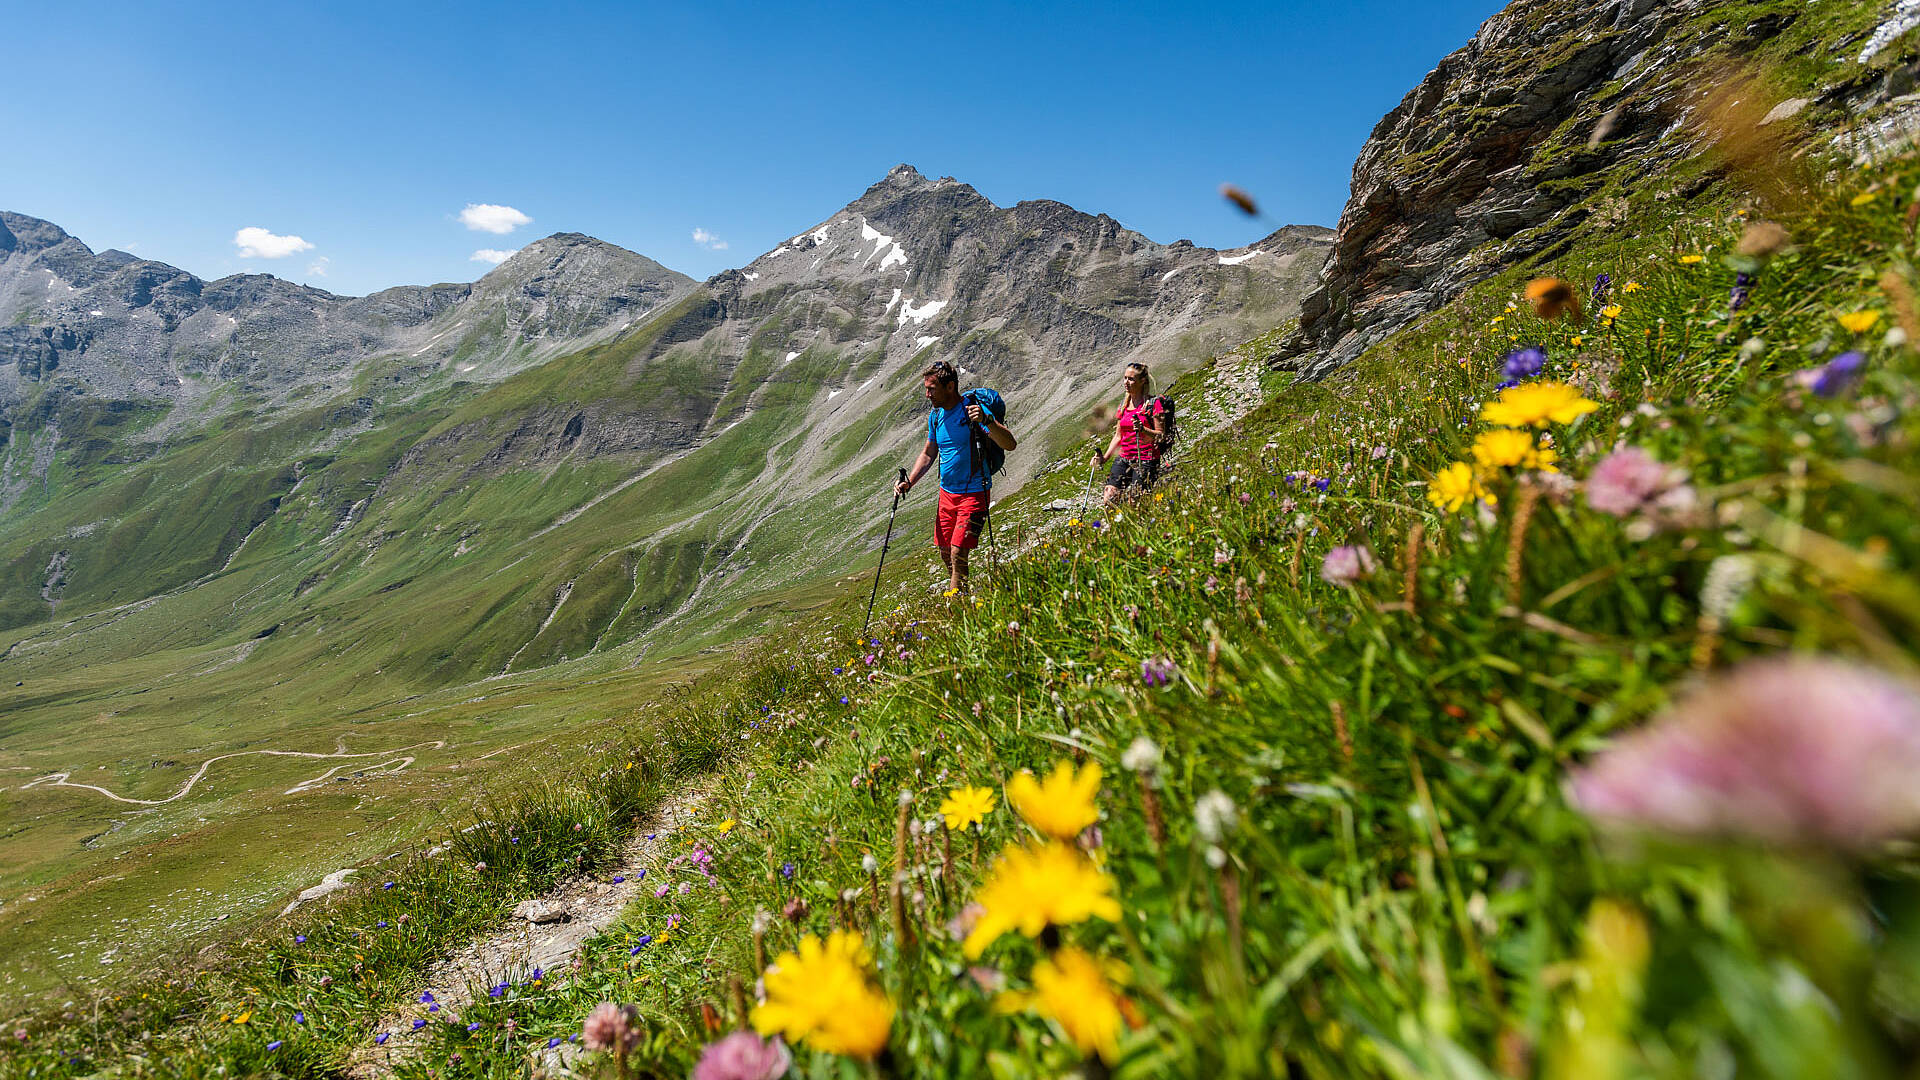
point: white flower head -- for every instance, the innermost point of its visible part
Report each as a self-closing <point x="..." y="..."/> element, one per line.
<point x="1142" y="756"/>
<point x="869" y="863"/>
<point x="1729" y="577"/>
<point x="1215" y="815"/>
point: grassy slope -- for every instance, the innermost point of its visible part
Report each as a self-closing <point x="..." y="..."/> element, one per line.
<point x="1414" y="896"/>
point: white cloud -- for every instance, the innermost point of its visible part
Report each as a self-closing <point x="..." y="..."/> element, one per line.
<point x="707" y="240"/>
<point x="490" y="255"/>
<point x="319" y="267"/>
<point x="255" y="242"/>
<point x="487" y="217"/>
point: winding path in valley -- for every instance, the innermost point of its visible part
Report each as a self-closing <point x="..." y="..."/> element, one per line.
<point x="398" y="760"/>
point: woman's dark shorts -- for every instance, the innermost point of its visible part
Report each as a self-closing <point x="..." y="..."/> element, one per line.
<point x="1133" y="475"/>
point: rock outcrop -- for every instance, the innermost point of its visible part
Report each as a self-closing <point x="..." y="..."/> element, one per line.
<point x="1533" y="130"/>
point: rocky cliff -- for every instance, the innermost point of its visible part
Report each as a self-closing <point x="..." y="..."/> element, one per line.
<point x="1551" y="118"/>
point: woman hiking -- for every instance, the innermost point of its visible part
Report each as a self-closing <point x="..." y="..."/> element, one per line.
<point x="1136" y="438"/>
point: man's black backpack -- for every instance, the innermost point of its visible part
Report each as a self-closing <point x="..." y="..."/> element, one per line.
<point x="987" y="454"/>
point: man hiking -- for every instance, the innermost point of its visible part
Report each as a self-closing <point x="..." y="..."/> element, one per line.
<point x="966" y="482"/>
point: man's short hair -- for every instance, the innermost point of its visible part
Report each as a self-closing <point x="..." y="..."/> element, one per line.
<point x="943" y="371"/>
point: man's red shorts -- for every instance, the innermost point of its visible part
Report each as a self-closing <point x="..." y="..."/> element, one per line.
<point x="960" y="520"/>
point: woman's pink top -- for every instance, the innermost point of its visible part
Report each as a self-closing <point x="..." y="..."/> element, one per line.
<point x="1136" y="444"/>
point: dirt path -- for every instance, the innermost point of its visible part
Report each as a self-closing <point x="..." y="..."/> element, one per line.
<point x="398" y="760"/>
<point x="515" y="949"/>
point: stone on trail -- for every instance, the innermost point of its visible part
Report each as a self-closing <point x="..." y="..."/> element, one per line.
<point x="540" y="911"/>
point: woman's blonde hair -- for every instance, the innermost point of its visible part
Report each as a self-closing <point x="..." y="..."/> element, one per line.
<point x="1144" y="377"/>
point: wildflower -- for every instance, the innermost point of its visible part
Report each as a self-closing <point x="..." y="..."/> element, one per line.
<point x="1222" y="555"/>
<point x="1729" y="577"/>
<point x="553" y="1042"/>
<point x="1602" y="284"/>
<point x="1631" y="287"/>
<point x="380" y="1039"/>
<point x="418" y="1023"/>
<point x="475" y="1026"/>
<point x="1577" y="340"/>
<point x="967" y="806"/>
<point x="1537" y="405"/>
<point x="426" y="997"/>
<point x="299" y="1018"/>
<point x="1061" y="805"/>
<point x="1552" y="298"/>
<point x="1762" y="239"/>
<point x="1507" y="448"/>
<point x="1214" y="816"/>
<point x="275" y="1045"/>
<point x="1142" y="756"/>
<point x="726" y="826"/>
<point x="1072" y="991"/>
<point x="1805" y="750"/>
<point x="821" y="995"/>
<point x="639" y="943"/>
<point x="299" y="939"/>
<point x="243" y="1017"/>
<point x="498" y="990"/>
<point x="1737" y="296"/>
<point x="1455" y="486"/>
<point x="1030" y="889"/>
<point x="1863" y="198"/>
<point x="1630" y="482"/>
<point x="1859" y="322"/>
<point x="1692" y="260"/>
<point x="1155" y="671"/>
<point x="1347" y="564"/>
<point x="479" y="866"/>
<point x="388" y="885"/>
<point x="786" y="870"/>
<point x="611" y="1027"/>
<point x="1525" y="363"/>
<point x="743" y="1056"/>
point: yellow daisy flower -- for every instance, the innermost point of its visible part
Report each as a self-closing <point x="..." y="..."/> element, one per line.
<point x="1030" y="889"/>
<point x="1506" y="448"/>
<point x="1858" y="322"/>
<point x="1070" y="989"/>
<point x="1864" y="198"/>
<point x="820" y="995"/>
<point x="726" y="826"/>
<point x="967" y="806"/>
<point x="1454" y="487"/>
<point x="1630" y="287"/>
<point x="1537" y="404"/>
<point x="1061" y="805"/>
<point x="1689" y="260"/>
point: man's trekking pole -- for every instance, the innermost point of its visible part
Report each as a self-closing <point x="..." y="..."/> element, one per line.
<point x="883" y="554"/>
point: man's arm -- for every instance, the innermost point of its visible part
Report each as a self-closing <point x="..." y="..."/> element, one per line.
<point x="995" y="429"/>
<point x="929" y="454"/>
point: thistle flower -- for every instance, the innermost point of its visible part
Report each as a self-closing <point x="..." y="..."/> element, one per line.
<point x="1537" y="405"/>
<point x="1347" y="564"/>
<point x="611" y="1027"/>
<point x="1030" y="889"/>
<point x="743" y="1055"/>
<point x="820" y="995"/>
<point x="1061" y="805"/>
<point x="1071" y="990"/>
<point x="967" y="806"/>
<point x="1801" y="750"/>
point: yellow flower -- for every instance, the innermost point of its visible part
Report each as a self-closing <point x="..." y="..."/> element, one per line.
<point x="1630" y="287"/>
<point x="1858" y="322"/>
<point x="1497" y="320"/>
<point x="967" y="806"/>
<point x="950" y="593"/>
<point x="821" y="995"/>
<point x="1577" y="340"/>
<point x="1537" y="404"/>
<point x="726" y="826"/>
<point x="1864" y="198"/>
<point x="1689" y="260"/>
<point x="243" y="1017"/>
<point x="1070" y="989"/>
<point x="1060" y="806"/>
<point x="1611" y="311"/>
<point x="1454" y="487"/>
<point x="1073" y="523"/>
<point x="1032" y="888"/>
<point x="1506" y="448"/>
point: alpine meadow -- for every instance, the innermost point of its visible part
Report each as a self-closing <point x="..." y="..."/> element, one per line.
<point x="1510" y="673"/>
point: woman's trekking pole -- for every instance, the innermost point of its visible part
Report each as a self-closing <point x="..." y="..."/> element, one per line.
<point x="1087" y="496"/>
<point x="883" y="554"/>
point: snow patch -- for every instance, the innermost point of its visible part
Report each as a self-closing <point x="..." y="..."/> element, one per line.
<point x="890" y="303"/>
<point x="750" y="276"/>
<point x="776" y="252"/>
<point x="790" y="356"/>
<point x="831" y="394"/>
<point x="909" y="313"/>
<point x="1236" y="260"/>
<point x="1174" y="271"/>
<point x="820" y="234"/>
<point x="882" y="243"/>
<point x="924" y="341"/>
<point x="96" y="313"/>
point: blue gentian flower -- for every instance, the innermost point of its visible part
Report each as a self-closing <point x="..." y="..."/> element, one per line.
<point x="274" y="1045"/>
<point x="380" y="1039"/>
<point x="553" y="1042"/>
<point x="786" y="871"/>
<point x="1601" y="284"/>
<point x="1839" y="374"/>
<point x="299" y="939"/>
<point x="418" y="1023"/>
<point x="1525" y="363"/>
<point x="426" y="997"/>
<point x="299" y="1018"/>
<point x="388" y="885"/>
<point x="475" y="1026"/>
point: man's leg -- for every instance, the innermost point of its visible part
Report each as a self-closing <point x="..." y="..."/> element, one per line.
<point x="957" y="564"/>
<point x="946" y="560"/>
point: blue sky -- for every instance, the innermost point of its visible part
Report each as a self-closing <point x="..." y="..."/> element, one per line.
<point x="366" y="129"/>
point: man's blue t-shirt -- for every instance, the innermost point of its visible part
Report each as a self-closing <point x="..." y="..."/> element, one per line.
<point x="947" y="428"/>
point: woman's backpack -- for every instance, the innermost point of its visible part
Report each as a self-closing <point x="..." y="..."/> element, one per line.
<point x="1169" y="428"/>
